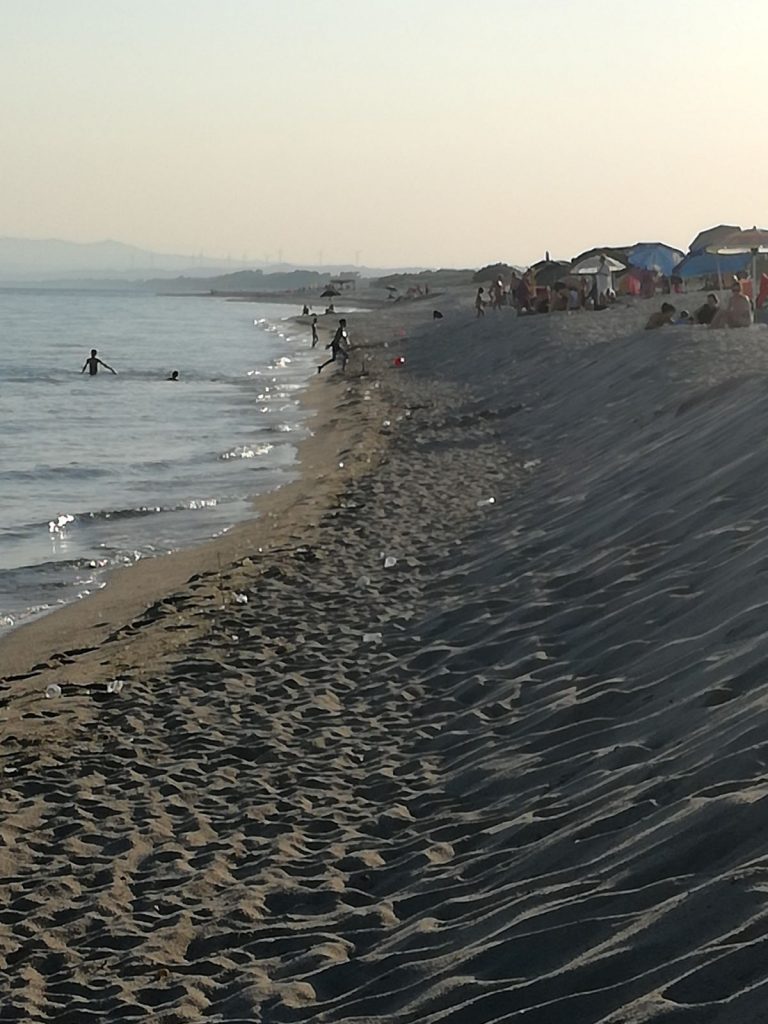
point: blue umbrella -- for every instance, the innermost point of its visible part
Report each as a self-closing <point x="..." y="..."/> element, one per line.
<point x="654" y="256"/>
<point x="702" y="264"/>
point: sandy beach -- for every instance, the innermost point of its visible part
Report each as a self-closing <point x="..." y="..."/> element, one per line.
<point x="466" y="726"/>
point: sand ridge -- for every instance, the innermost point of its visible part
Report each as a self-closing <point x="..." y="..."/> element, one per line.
<point x="537" y="795"/>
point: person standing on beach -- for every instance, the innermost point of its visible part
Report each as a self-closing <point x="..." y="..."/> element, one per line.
<point x="315" y="339"/>
<point x="92" y="364"/>
<point x="479" y="304"/>
<point x="339" y="346"/>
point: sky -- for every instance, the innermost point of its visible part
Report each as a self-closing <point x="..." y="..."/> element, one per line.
<point x="381" y="132"/>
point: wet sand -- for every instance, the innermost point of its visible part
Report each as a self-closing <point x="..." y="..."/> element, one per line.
<point x="517" y="773"/>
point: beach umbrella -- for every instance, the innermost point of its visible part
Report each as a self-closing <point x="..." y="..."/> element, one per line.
<point x="752" y="241"/>
<point x="549" y="272"/>
<point x="591" y="265"/>
<point x="704" y="264"/>
<point x="329" y="293"/>
<point x="655" y="256"/>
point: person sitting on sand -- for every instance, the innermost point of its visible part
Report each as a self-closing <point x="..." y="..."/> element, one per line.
<point x="339" y="347"/>
<point x="92" y="364"/>
<point x="174" y="375"/>
<point x="663" y="316"/>
<point x="738" y="312"/>
<point x="706" y="314"/>
<point x="479" y="303"/>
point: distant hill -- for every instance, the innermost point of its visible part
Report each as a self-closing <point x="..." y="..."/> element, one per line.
<point x="53" y="261"/>
<point x="246" y="281"/>
<point x="41" y="259"/>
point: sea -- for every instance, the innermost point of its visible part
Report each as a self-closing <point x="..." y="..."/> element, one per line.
<point x="98" y="472"/>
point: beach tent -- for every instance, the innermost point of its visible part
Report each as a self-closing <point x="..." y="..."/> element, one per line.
<point x="655" y="256"/>
<point x="329" y="293"/>
<point x="705" y="264"/>
<point x="752" y="241"/>
<point x="591" y="265"/>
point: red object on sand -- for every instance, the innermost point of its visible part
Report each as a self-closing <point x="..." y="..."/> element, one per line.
<point x="398" y="361"/>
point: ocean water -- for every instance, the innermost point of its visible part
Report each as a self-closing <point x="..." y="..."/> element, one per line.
<point x="99" y="471"/>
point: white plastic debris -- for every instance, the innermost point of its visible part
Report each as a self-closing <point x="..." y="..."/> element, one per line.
<point x="53" y="690"/>
<point x="390" y="561"/>
<point x="115" y="685"/>
<point x="530" y="464"/>
<point x="241" y="598"/>
<point x="486" y="501"/>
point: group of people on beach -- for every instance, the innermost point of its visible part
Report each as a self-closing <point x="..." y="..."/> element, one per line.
<point x="737" y="313"/>
<point x="593" y="292"/>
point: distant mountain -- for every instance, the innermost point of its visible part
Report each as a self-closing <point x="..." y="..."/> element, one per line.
<point x="95" y="264"/>
<point x="41" y="259"/>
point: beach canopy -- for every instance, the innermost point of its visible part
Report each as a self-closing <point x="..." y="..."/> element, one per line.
<point x="329" y="293"/>
<point x="655" y="256"/>
<point x="704" y="264"/>
<point x="591" y="265"/>
<point x="549" y="272"/>
<point x="751" y="241"/>
<point x="711" y="237"/>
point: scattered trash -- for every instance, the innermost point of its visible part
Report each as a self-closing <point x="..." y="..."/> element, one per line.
<point x="390" y="561"/>
<point x="486" y="501"/>
<point x="398" y="361"/>
<point x="241" y="598"/>
<point x="363" y="581"/>
<point x="115" y="685"/>
<point x="235" y="637"/>
<point x="53" y="690"/>
<point x="531" y="464"/>
<point x="341" y="465"/>
<point x="371" y="638"/>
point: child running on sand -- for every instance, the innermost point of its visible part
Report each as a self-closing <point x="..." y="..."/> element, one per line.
<point x="339" y="346"/>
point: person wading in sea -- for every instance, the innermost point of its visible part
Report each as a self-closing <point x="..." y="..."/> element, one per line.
<point x="92" y="364"/>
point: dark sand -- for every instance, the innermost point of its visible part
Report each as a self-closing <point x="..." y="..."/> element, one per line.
<point x="537" y="796"/>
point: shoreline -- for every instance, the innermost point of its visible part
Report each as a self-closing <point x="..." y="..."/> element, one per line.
<point x="297" y="504"/>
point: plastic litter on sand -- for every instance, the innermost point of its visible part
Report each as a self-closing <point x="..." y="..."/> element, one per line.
<point x="115" y="685"/>
<point x="371" y="638"/>
<point x="53" y="690"/>
<point x="241" y="598"/>
<point x="390" y="561"/>
<point x="486" y="501"/>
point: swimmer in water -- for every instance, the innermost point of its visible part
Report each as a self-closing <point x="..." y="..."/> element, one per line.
<point x="174" y="375"/>
<point x="92" y="364"/>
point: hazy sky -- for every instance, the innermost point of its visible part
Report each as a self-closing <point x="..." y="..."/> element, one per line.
<point x="431" y="132"/>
